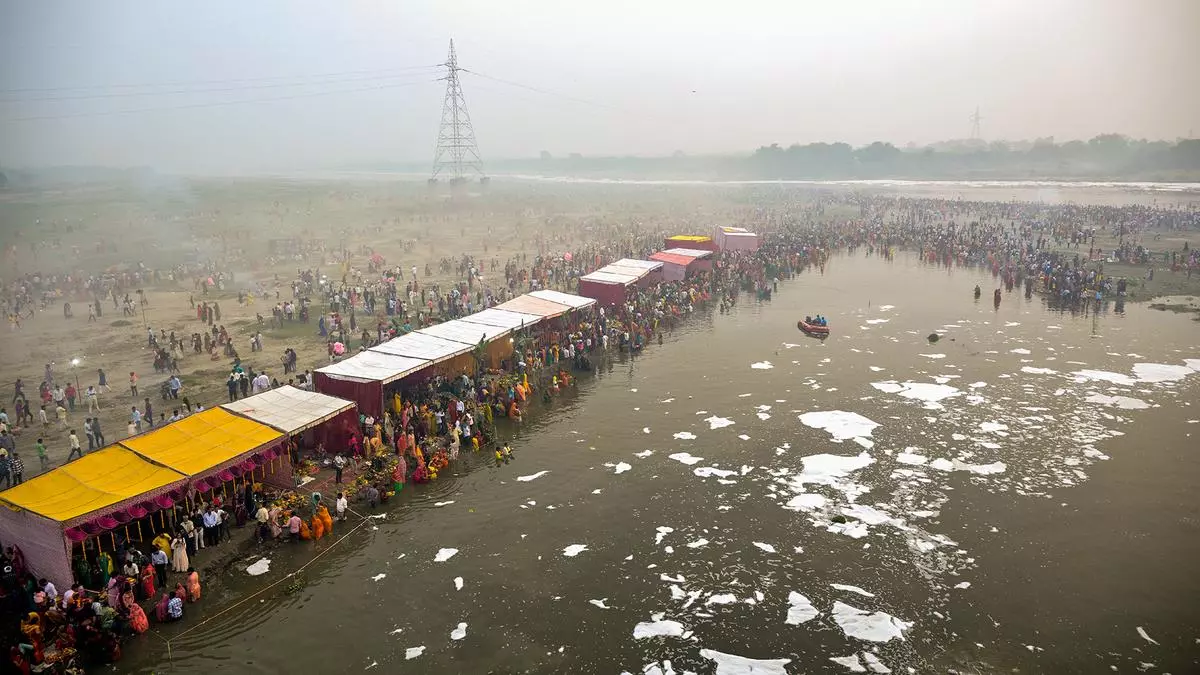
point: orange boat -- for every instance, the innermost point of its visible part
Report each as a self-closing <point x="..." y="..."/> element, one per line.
<point x="812" y="328"/>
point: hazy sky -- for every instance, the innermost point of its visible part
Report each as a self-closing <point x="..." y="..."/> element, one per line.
<point x="352" y="80"/>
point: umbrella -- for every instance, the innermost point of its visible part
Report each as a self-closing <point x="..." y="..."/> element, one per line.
<point x="567" y="257"/>
<point x="339" y="349"/>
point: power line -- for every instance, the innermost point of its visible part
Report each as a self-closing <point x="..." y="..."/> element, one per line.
<point x="213" y="104"/>
<point x="181" y="83"/>
<point x="540" y="90"/>
<point x="133" y="94"/>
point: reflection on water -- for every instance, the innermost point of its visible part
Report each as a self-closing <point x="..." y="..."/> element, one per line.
<point x="984" y="497"/>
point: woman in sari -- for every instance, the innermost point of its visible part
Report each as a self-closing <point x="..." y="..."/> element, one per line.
<point x="160" y="610"/>
<point x="148" y="581"/>
<point x="106" y="567"/>
<point x="399" y="474"/>
<point x="180" y="592"/>
<point x="193" y="584"/>
<point x="179" y="556"/>
<point x="114" y="591"/>
<point x="137" y="619"/>
<point x="273" y="522"/>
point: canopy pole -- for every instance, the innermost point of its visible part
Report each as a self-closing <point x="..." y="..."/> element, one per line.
<point x="139" y="527"/>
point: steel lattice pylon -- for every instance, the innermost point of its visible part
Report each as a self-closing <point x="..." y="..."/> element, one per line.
<point x="457" y="156"/>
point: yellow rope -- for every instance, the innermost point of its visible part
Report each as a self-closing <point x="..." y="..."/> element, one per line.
<point x="268" y="586"/>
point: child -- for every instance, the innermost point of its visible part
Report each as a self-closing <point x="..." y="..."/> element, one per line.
<point x="507" y="452"/>
<point x="41" y="452"/>
<point x="341" y="505"/>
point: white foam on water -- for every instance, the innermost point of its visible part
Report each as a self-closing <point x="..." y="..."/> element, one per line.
<point x="870" y="626"/>
<point x="413" y="652"/>
<point x="685" y="436"/>
<point x="853" y="589"/>
<point x="886" y="308"/>
<point x="698" y="543"/>
<point x="744" y="437"/>
<point x="1011" y="324"/>
<point x="806" y="502"/>
<point x="877" y="321"/>
<point x="1019" y="350"/>
<point x="721" y="599"/>
<point x="715" y="422"/>
<point x="643" y="454"/>
<point x="444" y="503"/>
<point x="800" y="610"/>
<point x="876" y="369"/>
<point x="991" y="427"/>
<point x="841" y="425"/>
<point x="1122" y="402"/>
<point x="1142" y="631"/>
<point x="261" y="566"/>
<point x="766" y="547"/>
<point x="763" y="416"/>
<point x="459" y="633"/>
<point x="825" y="469"/>
<point x="685" y="458"/>
<point x="762" y="365"/>
<point x="850" y="662"/>
<point x="911" y="458"/>
<point x="1104" y="376"/>
<point x="379" y="577"/>
<point x="732" y="664"/>
<point x="622" y="467"/>
<point x="445" y="554"/>
<point x="532" y="476"/>
<point x="933" y="356"/>
<point x="574" y="550"/>
<point x="964" y="584"/>
<point x="977" y="385"/>
<point x="645" y="430"/>
<point x="1031" y="370"/>
<point x="662" y="532"/>
<point x="458" y="583"/>
<point x="874" y="664"/>
<point x="1160" y="372"/>
<point x="709" y="471"/>
<point x="657" y="628"/>
<point x="929" y="393"/>
<point x="978" y="469"/>
<point x="599" y="603"/>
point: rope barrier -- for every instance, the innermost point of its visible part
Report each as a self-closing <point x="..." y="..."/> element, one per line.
<point x="268" y="587"/>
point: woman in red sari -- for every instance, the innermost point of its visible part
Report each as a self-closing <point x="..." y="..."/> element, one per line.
<point x="148" y="582"/>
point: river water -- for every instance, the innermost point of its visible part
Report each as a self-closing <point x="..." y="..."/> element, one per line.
<point x="1017" y="496"/>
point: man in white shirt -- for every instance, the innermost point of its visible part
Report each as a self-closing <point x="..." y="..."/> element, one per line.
<point x="211" y="522"/>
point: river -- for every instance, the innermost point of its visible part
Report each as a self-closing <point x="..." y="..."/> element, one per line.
<point x="1018" y="496"/>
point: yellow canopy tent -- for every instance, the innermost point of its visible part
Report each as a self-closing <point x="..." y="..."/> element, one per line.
<point x="203" y="442"/>
<point x="40" y="510"/>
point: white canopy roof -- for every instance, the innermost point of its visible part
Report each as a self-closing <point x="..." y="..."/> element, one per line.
<point x="419" y="346"/>
<point x="372" y="366"/>
<point x="689" y="252"/>
<point x="648" y="265"/>
<point x="572" y="301"/>
<point x="465" y="332"/>
<point x="529" y="304"/>
<point x="605" y="277"/>
<point x="502" y="318"/>
<point x="289" y="409"/>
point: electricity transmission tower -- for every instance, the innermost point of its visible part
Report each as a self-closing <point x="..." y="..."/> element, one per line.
<point x="457" y="156"/>
<point x="975" y="119"/>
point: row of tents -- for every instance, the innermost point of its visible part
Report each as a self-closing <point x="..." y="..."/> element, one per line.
<point x="110" y="489"/>
<point x="447" y="348"/>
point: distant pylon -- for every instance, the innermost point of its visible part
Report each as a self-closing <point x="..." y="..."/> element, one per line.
<point x="975" y="119"/>
<point x="457" y="156"/>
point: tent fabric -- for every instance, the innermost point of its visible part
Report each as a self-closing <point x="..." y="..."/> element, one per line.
<point x="465" y="332"/>
<point x="373" y="366"/>
<point x="202" y="442"/>
<point x="528" y="304"/>
<point x="503" y="318"/>
<point x="368" y="394"/>
<point x="689" y="252"/>
<point x="99" y="480"/>
<point x="422" y="346"/>
<point x="673" y="258"/>
<point x="604" y="276"/>
<point x="572" y="301"/>
<point x="636" y="272"/>
<point x="289" y="409"/>
<point x="647" y="265"/>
